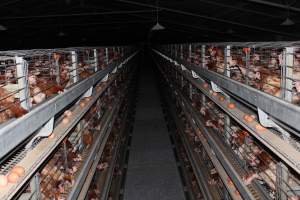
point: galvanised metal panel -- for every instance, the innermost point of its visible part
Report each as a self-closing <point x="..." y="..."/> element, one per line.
<point x="284" y="111"/>
<point x="279" y="109"/>
<point x="18" y="130"/>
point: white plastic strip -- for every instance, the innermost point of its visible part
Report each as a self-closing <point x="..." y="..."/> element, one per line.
<point x="45" y="131"/>
<point x="88" y="93"/>
<point x="115" y="70"/>
<point x="105" y="78"/>
<point x="195" y="75"/>
<point x="267" y="122"/>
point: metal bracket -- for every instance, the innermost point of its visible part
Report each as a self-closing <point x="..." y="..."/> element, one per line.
<point x="183" y="68"/>
<point x="88" y="93"/>
<point x="105" y="78"/>
<point x="121" y="65"/>
<point x="115" y="70"/>
<point x="195" y="75"/>
<point x="267" y="122"/>
<point x="45" y="131"/>
<point x="216" y="88"/>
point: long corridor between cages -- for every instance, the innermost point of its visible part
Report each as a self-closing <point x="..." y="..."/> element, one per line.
<point x="152" y="170"/>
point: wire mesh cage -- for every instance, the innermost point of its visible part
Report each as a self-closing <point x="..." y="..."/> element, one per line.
<point x="197" y="54"/>
<point x="215" y="58"/>
<point x="13" y="87"/>
<point x="30" y="77"/>
<point x="270" y="67"/>
<point x="47" y="75"/>
<point x="259" y="165"/>
<point x="61" y="172"/>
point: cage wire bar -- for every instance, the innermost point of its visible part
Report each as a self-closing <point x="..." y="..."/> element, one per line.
<point x="40" y="114"/>
<point x="286" y="182"/>
<point x="280" y="91"/>
<point x="51" y="60"/>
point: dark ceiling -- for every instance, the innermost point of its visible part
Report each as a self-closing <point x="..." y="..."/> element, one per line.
<point x="64" y="23"/>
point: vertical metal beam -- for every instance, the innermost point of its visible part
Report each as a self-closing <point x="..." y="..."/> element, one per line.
<point x="57" y="71"/>
<point x="190" y="52"/>
<point x="282" y="177"/>
<point x="203" y="99"/>
<point x="181" y="51"/>
<point x="35" y="187"/>
<point x="203" y="56"/>
<point x="96" y="59"/>
<point x="227" y="54"/>
<point x="247" y="60"/>
<point x="65" y="154"/>
<point x="23" y="84"/>
<point x="106" y="55"/>
<point x="288" y="73"/>
<point x="227" y="124"/>
<point x="74" y="70"/>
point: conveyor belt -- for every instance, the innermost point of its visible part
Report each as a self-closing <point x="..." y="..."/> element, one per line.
<point x="152" y="171"/>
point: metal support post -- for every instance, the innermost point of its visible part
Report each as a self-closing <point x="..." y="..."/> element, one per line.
<point x="23" y="84"/>
<point x="203" y="56"/>
<point x="226" y="58"/>
<point x="287" y="73"/>
<point x="203" y="99"/>
<point x="35" y="187"/>
<point x="65" y="155"/>
<point x="106" y="55"/>
<point x="181" y="51"/>
<point x="74" y="70"/>
<point x="190" y="52"/>
<point x="227" y="124"/>
<point x="57" y="71"/>
<point x="96" y="59"/>
<point x="282" y="176"/>
<point x="247" y="60"/>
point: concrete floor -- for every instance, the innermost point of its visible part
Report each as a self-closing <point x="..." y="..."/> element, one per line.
<point x="152" y="172"/>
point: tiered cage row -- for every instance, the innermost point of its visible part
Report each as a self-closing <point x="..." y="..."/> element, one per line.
<point x="270" y="67"/>
<point x="106" y="184"/>
<point x="258" y="161"/>
<point x="65" y="101"/>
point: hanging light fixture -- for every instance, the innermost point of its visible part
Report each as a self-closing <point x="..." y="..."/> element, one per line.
<point x="230" y="31"/>
<point x="61" y="34"/>
<point x="3" y="28"/>
<point x="287" y="21"/>
<point x="157" y="26"/>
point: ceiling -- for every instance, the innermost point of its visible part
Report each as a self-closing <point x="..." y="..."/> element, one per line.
<point x="64" y="23"/>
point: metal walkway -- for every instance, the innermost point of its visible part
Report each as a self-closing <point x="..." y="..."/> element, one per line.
<point x="152" y="172"/>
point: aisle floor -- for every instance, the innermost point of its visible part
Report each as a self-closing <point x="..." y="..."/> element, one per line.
<point x="152" y="172"/>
